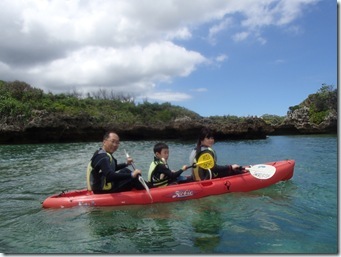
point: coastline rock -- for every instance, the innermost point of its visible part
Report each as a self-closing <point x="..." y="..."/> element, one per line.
<point x="47" y="128"/>
<point x="298" y="122"/>
<point x="56" y="128"/>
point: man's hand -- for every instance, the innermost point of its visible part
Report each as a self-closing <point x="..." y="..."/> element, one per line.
<point x="129" y="160"/>
<point x="135" y="173"/>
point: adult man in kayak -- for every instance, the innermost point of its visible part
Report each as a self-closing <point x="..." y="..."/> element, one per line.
<point x="204" y="145"/>
<point x="105" y="175"/>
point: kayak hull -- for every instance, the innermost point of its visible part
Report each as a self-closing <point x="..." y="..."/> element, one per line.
<point x="179" y="192"/>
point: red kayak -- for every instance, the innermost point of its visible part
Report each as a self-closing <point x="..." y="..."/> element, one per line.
<point x="255" y="179"/>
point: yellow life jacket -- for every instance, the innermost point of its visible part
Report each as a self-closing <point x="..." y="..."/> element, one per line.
<point x="89" y="175"/>
<point x="200" y="173"/>
<point x="158" y="182"/>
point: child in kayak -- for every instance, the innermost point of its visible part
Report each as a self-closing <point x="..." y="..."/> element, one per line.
<point x="159" y="173"/>
<point x="204" y="146"/>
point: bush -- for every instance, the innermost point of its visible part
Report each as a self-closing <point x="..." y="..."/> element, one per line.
<point x="12" y="107"/>
<point x="293" y="108"/>
<point x="273" y="119"/>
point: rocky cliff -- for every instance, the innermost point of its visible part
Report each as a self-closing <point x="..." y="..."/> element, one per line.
<point x="298" y="122"/>
<point x="317" y="114"/>
<point x="30" y="116"/>
<point x="46" y="127"/>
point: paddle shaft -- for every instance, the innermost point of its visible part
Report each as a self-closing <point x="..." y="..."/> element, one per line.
<point x="203" y="167"/>
<point x="198" y="163"/>
<point x="140" y="177"/>
<point x="128" y="156"/>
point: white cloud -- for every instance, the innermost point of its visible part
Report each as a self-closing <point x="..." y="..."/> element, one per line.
<point x="201" y="89"/>
<point x="125" y="45"/>
<point x="265" y="13"/>
<point x="221" y="58"/>
<point x="182" y="33"/>
<point x="214" y="30"/>
<point x="168" y="96"/>
<point x="279" y="61"/>
<point x="134" y="67"/>
<point x="241" y="36"/>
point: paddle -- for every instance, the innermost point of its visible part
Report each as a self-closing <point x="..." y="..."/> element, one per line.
<point x="261" y="171"/>
<point x="140" y="177"/>
<point x="202" y="164"/>
<point x="206" y="162"/>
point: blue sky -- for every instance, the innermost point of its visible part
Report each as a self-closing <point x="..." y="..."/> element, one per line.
<point x="267" y="78"/>
<point x="217" y="57"/>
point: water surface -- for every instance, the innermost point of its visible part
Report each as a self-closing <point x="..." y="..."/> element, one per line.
<point x="296" y="216"/>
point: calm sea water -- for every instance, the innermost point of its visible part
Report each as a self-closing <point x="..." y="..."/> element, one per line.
<point x="297" y="216"/>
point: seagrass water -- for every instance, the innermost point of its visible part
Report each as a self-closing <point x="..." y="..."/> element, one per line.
<point x="296" y="216"/>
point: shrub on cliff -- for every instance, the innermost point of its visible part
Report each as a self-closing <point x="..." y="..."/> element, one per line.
<point x="273" y="119"/>
<point x="20" y="99"/>
<point x="320" y="104"/>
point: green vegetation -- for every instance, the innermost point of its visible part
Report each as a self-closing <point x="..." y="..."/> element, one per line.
<point x="320" y="104"/>
<point x="226" y="119"/>
<point x="273" y="119"/>
<point x="20" y="102"/>
<point x="19" y="99"/>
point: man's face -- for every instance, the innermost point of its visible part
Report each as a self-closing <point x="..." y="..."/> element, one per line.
<point x="112" y="143"/>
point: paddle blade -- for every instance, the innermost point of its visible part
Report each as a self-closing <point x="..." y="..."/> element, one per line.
<point x="146" y="187"/>
<point x="206" y="161"/>
<point x="262" y="171"/>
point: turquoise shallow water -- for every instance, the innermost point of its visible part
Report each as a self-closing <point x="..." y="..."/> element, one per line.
<point x="297" y="216"/>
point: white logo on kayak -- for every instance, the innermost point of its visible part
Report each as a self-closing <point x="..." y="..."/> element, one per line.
<point x="182" y="193"/>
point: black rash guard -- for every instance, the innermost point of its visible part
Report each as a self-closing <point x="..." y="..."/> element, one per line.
<point x="117" y="174"/>
<point x="218" y="171"/>
<point x="163" y="169"/>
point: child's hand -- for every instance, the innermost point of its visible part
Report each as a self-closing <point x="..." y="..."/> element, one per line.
<point x="184" y="167"/>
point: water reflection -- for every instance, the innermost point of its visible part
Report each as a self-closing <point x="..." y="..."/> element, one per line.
<point x="134" y="229"/>
<point x="159" y="228"/>
<point x="207" y="225"/>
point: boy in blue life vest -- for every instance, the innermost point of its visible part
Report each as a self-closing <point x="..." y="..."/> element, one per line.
<point x="159" y="173"/>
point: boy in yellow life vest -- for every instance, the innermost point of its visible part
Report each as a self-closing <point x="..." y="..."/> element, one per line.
<point x="159" y="173"/>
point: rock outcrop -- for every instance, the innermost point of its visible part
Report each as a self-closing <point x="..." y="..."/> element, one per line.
<point x="298" y="122"/>
<point x="45" y="127"/>
<point x="28" y="115"/>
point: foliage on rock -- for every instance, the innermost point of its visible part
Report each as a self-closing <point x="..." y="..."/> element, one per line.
<point x="20" y="99"/>
<point x="29" y="114"/>
<point x="319" y="105"/>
